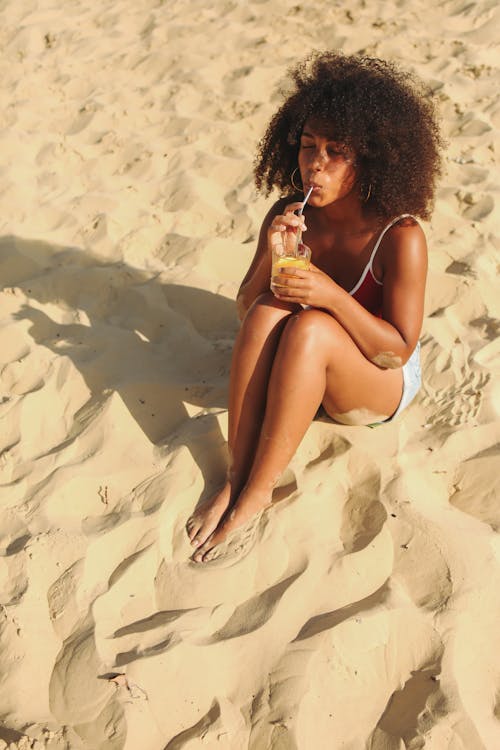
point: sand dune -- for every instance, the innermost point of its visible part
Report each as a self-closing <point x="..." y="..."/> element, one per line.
<point x="362" y="610"/>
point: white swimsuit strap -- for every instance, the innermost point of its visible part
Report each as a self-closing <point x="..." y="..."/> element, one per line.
<point x="368" y="267"/>
<point x="384" y="230"/>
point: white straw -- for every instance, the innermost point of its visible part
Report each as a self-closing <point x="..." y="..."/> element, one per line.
<point x="301" y="209"/>
<point x="299" y="213"/>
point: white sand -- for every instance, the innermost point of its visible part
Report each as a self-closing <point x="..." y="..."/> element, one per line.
<point x="363" y="610"/>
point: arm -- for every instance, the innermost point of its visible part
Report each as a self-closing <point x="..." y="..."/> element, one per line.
<point x="258" y="277"/>
<point x="390" y="340"/>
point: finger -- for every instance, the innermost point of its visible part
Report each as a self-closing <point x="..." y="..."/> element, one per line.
<point x="286" y="226"/>
<point x="283" y="279"/>
<point x="289" y="291"/>
<point x="281" y="222"/>
<point x="288" y="286"/>
<point x="284" y="288"/>
<point x="291" y="207"/>
<point x="276" y="240"/>
<point x="277" y="226"/>
<point x="291" y="271"/>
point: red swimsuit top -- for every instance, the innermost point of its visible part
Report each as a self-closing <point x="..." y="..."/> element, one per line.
<point x="368" y="290"/>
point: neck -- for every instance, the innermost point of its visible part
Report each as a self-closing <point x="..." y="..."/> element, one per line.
<point x="348" y="214"/>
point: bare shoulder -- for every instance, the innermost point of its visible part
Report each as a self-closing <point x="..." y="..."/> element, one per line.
<point x="404" y="244"/>
<point x="405" y="231"/>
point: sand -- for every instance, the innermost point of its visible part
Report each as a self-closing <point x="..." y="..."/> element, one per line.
<point x="362" y="610"/>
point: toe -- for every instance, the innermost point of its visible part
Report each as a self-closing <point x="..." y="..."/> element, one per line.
<point x="211" y="554"/>
<point x="198" y="537"/>
<point x="202" y="533"/>
<point x="202" y="550"/>
<point x="197" y="556"/>
<point x="193" y="527"/>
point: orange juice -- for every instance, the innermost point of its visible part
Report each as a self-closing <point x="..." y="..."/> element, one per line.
<point x="290" y="260"/>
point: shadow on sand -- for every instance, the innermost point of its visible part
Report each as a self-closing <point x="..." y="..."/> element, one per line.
<point x="159" y="345"/>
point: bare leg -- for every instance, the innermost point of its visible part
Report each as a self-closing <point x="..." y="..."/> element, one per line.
<point x="253" y="356"/>
<point x="316" y="362"/>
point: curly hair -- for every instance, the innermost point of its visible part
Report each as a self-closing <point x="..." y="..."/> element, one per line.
<point x="378" y="111"/>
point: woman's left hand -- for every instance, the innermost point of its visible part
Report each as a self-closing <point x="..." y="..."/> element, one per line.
<point x="312" y="287"/>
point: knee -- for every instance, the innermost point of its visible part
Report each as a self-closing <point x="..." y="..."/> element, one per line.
<point x="266" y="308"/>
<point x="312" y="329"/>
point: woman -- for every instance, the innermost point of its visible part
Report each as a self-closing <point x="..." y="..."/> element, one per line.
<point x="343" y="334"/>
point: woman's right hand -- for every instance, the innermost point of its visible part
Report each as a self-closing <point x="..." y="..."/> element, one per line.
<point x="282" y="232"/>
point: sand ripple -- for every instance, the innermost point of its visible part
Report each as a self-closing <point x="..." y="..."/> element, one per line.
<point x="361" y="611"/>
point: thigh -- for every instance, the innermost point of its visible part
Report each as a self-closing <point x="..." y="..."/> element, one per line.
<point x="357" y="391"/>
<point x="263" y="322"/>
<point x="266" y="305"/>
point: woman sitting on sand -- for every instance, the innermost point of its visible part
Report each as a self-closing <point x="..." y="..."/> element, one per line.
<point x="343" y="334"/>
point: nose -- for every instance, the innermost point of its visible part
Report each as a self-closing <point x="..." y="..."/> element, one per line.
<point x="319" y="159"/>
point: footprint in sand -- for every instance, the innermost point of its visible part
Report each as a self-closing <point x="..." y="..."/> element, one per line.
<point x="77" y="696"/>
<point x="14" y="535"/>
<point x="470" y="127"/>
<point x="198" y="731"/>
<point x="477" y="209"/>
<point x="405" y="716"/>
<point x="496" y="708"/>
<point x="459" y="268"/>
<point x="82" y="120"/>
<point x="429" y="585"/>
<point x="328" y="620"/>
<point x="255" y="612"/>
<point x="475" y="487"/>
<point x="162" y="631"/>
<point x="459" y="404"/>
<point x="363" y="514"/>
<point x="490" y="327"/>
<point x="62" y="600"/>
<point x="471" y="175"/>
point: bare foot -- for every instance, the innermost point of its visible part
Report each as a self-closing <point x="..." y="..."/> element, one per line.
<point x="245" y="508"/>
<point x="204" y="521"/>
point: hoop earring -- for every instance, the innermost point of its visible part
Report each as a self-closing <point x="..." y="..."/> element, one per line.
<point x="299" y="189"/>
<point x="368" y="193"/>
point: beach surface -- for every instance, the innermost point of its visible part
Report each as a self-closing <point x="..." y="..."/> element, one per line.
<point x="361" y="612"/>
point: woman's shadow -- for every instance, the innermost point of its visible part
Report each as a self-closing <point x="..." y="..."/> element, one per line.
<point x="164" y="348"/>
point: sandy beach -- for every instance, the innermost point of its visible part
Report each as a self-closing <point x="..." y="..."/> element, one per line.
<point x="361" y="612"/>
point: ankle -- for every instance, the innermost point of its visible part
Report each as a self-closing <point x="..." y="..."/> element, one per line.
<point x="255" y="494"/>
<point x="235" y="481"/>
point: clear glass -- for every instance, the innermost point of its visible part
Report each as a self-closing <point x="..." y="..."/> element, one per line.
<point x="291" y="252"/>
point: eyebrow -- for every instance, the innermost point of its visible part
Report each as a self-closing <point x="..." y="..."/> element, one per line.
<point x="305" y="134"/>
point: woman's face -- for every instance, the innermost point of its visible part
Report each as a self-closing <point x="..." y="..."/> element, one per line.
<point x="325" y="165"/>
